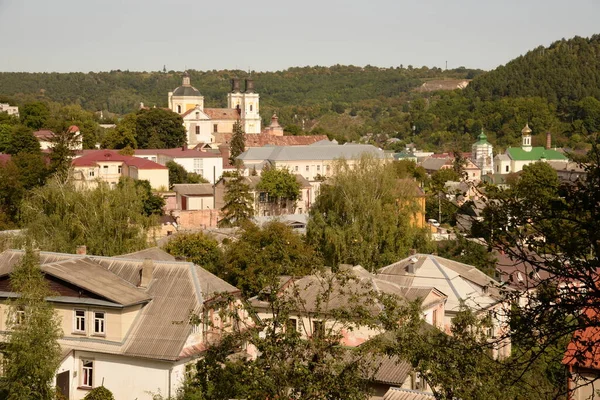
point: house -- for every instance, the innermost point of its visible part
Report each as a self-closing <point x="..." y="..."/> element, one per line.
<point x="207" y="164"/>
<point x="323" y="294"/>
<point x="265" y="206"/>
<point x="201" y="123"/>
<point x="462" y="284"/>
<point x="191" y="197"/>
<point x="446" y="161"/>
<point x="268" y="139"/>
<point x="46" y="138"/>
<point x="569" y="171"/>
<point x="10" y="110"/>
<point x="109" y="166"/>
<point x="515" y="158"/>
<point x="125" y="320"/>
<point x="582" y="359"/>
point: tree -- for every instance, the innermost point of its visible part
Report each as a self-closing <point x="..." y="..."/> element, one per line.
<point x="34" y="115"/>
<point x="11" y="193"/>
<point x="33" y="170"/>
<point x="64" y="143"/>
<point x="262" y="254"/>
<point x="178" y="174"/>
<point x="152" y="204"/>
<point x="99" y="393"/>
<point x="32" y="352"/>
<point x="363" y="216"/>
<point x="159" y="128"/>
<point x="238" y="201"/>
<point x="199" y="248"/>
<point x="238" y="142"/>
<point x="280" y="185"/>
<point x="21" y="140"/>
<point x="108" y="221"/>
<point x="469" y="252"/>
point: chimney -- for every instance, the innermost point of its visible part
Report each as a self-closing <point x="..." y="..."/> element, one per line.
<point x="235" y="85"/>
<point x="81" y="250"/>
<point x="548" y="140"/>
<point x="249" y="85"/>
<point x="146" y="273"/>
<point x="224" y="150"/>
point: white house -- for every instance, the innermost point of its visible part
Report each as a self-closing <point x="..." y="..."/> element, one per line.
<point x="45" y="138"/>
<point x="10" y="110"/>
<point x="125" y="320"/>
<point x="207" y="164"/>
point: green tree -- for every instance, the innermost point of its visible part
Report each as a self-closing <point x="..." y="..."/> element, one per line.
<point x="152" y="204"/>
<point x="469" y="252"/>
<point x="159" y="128"/>
<point x="34" y="115"/>
<point x="238" y="201"/>
<point x="199" y="248"/>
<point x="262" y="254"/>
<point x="280" y="185"/>
<point x="21" y="140"/>
<point x="363" y="216"/>
<point x="11" y="194"/>
<point x="99" y="393"/>
<point x="32" y="352"/>
<point x="33" y="170"/>
<point x="64" y="144"/>
<point x="108" y="221"/>
<point x="178" y="174"/>
<point x="238" y="142"/>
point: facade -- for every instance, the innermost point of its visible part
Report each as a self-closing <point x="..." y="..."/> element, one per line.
<point x="515" y="158"/>
<point x="263" y="206"/>
<point x="206" y="164"/>
<point x="125" y="320"/>
<point x="109" y="166"/>
<point x="191" y="197"/>
<point x="10" y="110"/>
<point x="45" y="138"/>
<point x="483" y="155"/>
<point x="202" y="123"/>
<point x="445" y="161"/>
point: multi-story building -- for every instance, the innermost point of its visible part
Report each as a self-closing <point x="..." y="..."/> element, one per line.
<point x="10" y="110"/>
<point x="207" y="164"/>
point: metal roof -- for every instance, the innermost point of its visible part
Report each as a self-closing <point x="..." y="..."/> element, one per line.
<point x="153" y="253"/>
<point x="194" y="189"/>
<point x="186" y="91"/>
<point x="316" y="151"/>
<point x="405" y="394"/>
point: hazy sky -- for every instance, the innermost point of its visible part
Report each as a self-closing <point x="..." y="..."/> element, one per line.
<point x="87" y="35"/>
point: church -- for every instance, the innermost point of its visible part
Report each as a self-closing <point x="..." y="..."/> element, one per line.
<point x="201" y="124"/>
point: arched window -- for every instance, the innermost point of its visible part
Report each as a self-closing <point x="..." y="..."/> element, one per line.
<point x="178" y="109"/>
<point x="250" y="107"/>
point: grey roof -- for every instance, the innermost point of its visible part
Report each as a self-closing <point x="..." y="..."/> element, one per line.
<point x="460" y="282"/>
<point x="317" y="151"/>
<point x="153" y="253"/>
<point x="502" y="157"/>
<point x="434" y="164"/>
<point x="392" y="370"/>
<point x="197" y="189"/>
<point x="405" y="394"/>
<point x="186" y="91"/>
<point x="161" y="328"/>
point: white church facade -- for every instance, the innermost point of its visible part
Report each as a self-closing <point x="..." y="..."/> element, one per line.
<point x="202" y="123"/>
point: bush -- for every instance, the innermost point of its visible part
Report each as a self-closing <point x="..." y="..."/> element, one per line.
<point x="99" y="393"/>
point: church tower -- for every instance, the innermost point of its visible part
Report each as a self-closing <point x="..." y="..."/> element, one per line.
<point x="247" y="102"/>
<point x="185" y="97"/>
<point x="526" y="137"/>
<point x="482" y="154"/>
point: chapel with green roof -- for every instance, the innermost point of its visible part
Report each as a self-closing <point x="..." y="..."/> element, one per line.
<point x="515" y="158"/>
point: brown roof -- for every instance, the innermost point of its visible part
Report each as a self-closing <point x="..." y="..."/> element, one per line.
<point x="222" y="113"/>
<point x="161" y="328"/>
<point x="92" y="157"/>
<point x="262" y="139"/>
<point x="44" y="134"/>
<point x="177" y="152"/>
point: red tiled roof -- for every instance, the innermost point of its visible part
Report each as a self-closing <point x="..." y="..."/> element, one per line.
<point x="222" y="113"/>
<point x="73" y="129"/>
<point x="92" y="157"/>
<point x="177" y="153"/>
<point x="43" y="134"/>
<point x="584" y="349"/>
<point x="259" y="140"/>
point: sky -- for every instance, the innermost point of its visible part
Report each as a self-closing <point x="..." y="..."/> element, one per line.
<point x="270" y="35"/>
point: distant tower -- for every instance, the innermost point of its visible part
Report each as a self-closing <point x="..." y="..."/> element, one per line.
<point x="526" y="137"/>
<point x="483" y="155"/>
<point x="248" y="104"/>
<point x="274" y="129"/>
<point x="185" y="97"/>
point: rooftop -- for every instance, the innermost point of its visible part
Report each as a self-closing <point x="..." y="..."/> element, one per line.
<point x="316" y="151"/>
<point x="536" y="153"/>
<point x="91" y="158"/>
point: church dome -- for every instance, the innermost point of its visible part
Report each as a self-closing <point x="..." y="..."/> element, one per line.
<point x="526" y="130"/>
<point x="186" y="91"/>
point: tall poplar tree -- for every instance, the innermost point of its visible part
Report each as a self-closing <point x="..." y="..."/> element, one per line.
<point x="32" y="352"/>
<point x="238" y="142"/>
<point x="238" y="202"/>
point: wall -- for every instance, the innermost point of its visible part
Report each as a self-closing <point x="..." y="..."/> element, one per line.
<point x="212" y="167"/>
<point x="197" y="218"/>
<point x="158" y="178"/>
<point x="126" y="377"/>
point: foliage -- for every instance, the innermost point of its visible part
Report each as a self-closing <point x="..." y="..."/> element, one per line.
<point x="178" y="174"/>
<point x="34" y="115"/>
<point x="198" y="248"/>
<point x="32" y="352"/>
<point x="64" y="144"/>
<point x="238" y="201"/>
<point x="11" y="193"/>
<point x="260" y="254"/>
<point x="99" y="393"/>
<point x="469" y="252"/>
<point x="280" y="185"/>
<point x="108" y="221"/>
<point x="238" y="142"/>
<point x="32" y="169"/>
<point x="152" y="204"/>
<point x="364" y="216"/>
<point x="21" y="140"/>
<point x="157" y="128"/>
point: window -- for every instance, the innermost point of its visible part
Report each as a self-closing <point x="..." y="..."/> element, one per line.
<point x="197" y="116"/>
<point x="87" y="373"/>
<point x="318" y="168"/>
<point x="435" y="318"/>
<point x="292" y="325"/>
<point x="263" y="197"/>
<point x="79" y="323"/>
<point x="120" y="169"/>
<point x="18" y="318"/>
<point x="197" y="130"/>
<point x="99" y="323"/>
<point x="296" y="168"/>
<point x="105" y="169"/>
<point x="318" y="329"/>
<point x="91" y="173"/>
<point x="178" y="109"/>
<point x="507" y="168"/>
<point x="198" y="166"/>
<point x="307" y="168"/>
<point x="250" y="107"/>
<point x="216" y="128"/>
